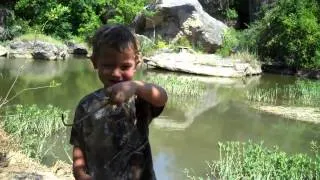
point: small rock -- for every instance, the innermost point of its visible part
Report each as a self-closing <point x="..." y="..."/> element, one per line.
<point x="77" y="49"/>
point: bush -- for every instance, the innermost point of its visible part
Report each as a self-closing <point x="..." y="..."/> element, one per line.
<point x="65" y="19"/>
<point x="230" y="42"/>
<point x="290" y="33"/>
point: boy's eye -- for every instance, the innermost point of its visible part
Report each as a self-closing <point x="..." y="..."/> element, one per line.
<point x="126" y="67"/>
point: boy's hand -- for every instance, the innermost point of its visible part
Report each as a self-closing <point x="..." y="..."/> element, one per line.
<point x="152" y="93"/>
<point x="121" y="92"/>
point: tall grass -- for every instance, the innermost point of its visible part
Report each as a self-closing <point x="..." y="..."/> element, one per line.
<point x="183" y="92"/>
<point x="254" y="161"/>
<point x="302" y="93"/>
<point x="31" y="125"/>
<point x="177" y="86"/>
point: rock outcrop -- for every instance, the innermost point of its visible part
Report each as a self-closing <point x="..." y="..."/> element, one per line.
<point x="174" y="19"/>
<point x="203" y="64"/>
<point x="3" y="51"/>
<point x="77" y="49"/>
<point x="37" y="50"/>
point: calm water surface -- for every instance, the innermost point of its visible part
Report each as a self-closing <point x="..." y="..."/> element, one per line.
<point x="181" y="137"/>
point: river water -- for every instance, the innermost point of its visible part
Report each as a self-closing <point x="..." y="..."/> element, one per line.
<point x="181" y="137"/>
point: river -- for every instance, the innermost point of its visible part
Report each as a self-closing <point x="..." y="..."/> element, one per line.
<point x="180" y="138"/>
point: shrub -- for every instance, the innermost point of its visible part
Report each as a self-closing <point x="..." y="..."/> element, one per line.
<point x="290" y="33"/>
<point x="76" y="18"/>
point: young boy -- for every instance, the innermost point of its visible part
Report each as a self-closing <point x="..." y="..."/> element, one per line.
<point x="110" y="131"/>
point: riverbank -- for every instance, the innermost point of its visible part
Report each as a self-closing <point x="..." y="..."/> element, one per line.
<point x="305" y="73"/>
<point x="306" y="114"/>
<point x="16" y="165"/>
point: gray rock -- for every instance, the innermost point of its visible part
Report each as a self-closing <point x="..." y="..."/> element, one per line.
<point x="77" y="49"/>
<point x="37" y="50"/>
<point x="203" y="64"/>
<point x="3" y="51"/>
<point x="175" y="19"/>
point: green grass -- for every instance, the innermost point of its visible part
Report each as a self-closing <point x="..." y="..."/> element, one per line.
<point x="39" y="37"/>
<point x="31" y="125"/>
<point x="302" y="93"/>
<point x="254" y="161"/>
<point x="177" y="86"/>
<point x="182" y="92"/>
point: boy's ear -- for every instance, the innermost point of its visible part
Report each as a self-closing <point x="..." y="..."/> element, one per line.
<point x="94" y="62"/>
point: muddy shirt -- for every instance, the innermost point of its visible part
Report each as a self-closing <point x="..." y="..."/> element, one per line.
<point x="114" y="139"/>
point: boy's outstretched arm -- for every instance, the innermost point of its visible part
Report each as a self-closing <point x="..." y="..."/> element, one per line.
<point x="79" y="165"/>
<point x="152" y="93"/>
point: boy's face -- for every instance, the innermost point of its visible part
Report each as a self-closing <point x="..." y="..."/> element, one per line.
<point x="114" y="67"/>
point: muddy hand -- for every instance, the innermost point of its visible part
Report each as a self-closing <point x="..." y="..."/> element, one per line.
<point x="121" y="92"/>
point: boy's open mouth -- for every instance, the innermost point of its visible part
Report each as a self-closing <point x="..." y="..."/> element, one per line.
<point x="112" y="82"/>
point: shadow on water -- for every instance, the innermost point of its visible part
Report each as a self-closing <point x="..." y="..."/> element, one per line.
<point x="187" y="132"/>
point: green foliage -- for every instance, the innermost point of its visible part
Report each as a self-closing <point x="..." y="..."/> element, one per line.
<point x="124" y="10"/>
<point x="86" y="16"/>
<point x="183" y="41"/>
<point x="290" y="33"/>
<point x="230" y="41"/>
<point x="64" y="19"/>
<point x="32" y="125"/>
<point x="13" y="27"/>
<point x="254" y="161"/>
<point x="231" y="14"/>
<point x="56" y="21"/>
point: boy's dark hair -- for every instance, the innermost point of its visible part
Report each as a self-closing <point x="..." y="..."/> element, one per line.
<point x="118" y="37"/>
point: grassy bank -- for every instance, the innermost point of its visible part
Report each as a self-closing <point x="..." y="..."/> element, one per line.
<point x="31" y="125"/>
<point x="255" y="161"/>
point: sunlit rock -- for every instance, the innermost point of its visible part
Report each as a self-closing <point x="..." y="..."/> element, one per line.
<point x="37" y="50"/>
<point x="203" y="64"/>
<point x="174" y="19"/>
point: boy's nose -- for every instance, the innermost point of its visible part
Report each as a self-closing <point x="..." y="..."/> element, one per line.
<point x="116" y="72"/>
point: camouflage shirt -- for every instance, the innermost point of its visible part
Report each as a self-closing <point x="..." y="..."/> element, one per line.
<point x="114" y="139"/>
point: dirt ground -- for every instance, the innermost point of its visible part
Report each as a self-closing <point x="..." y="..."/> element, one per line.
<point x="14" y="165"/>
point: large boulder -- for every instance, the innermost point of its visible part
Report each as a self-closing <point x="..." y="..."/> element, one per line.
<point x="203" y="64"/>
<point x="37" y="50"/>
<point x="174" y="19"/>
